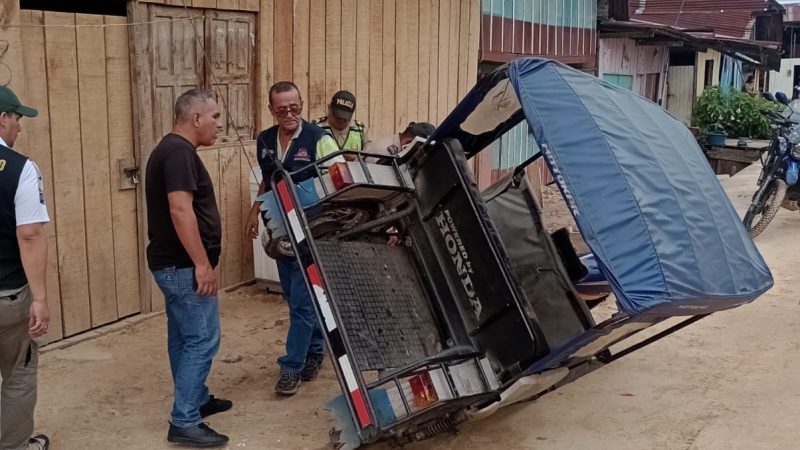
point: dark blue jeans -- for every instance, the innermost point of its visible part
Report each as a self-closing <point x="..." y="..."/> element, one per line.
<point x="192" y="341"/>
<point x="305" y="336"/>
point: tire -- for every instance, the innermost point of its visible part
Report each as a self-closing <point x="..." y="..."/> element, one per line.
<point x="773" y="198"/>
<point x="327" y="223"/>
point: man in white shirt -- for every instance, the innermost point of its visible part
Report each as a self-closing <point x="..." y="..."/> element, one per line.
<point x="23" y="297"/>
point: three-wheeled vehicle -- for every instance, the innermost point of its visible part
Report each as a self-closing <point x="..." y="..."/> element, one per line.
<point x="477" y="308"/>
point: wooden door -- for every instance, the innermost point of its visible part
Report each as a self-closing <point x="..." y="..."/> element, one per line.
<point x="177" y="60"/>
<point x="188" y="48"/>
<point x="77" y="74"/>
<point x="680" y="92"/>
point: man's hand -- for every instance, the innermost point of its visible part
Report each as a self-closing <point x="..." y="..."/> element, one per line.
<point x="251" y="229"/>
<point x="39" y="318"/>
<point x="206" y="280"/>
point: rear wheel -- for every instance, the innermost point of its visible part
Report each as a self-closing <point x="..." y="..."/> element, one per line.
<point x="761" y="213"/>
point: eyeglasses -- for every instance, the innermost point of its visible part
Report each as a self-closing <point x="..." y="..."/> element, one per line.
<point x="283" y="111"/>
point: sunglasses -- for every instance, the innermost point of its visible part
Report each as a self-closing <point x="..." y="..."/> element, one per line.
<point x="283" y="111"/>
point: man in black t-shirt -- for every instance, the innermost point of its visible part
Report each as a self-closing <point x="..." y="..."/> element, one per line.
<point x="185" y="233"/>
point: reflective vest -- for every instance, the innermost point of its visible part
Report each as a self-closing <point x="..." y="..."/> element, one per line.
<point x="355" y="135"/>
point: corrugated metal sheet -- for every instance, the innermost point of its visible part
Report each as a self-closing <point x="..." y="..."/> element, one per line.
<point x="561" y="29"/>
<point x="792" y="12"/>
<point x="730" y="23"/>
<point x="655" y="6"/>
<point x="731" y="18"/>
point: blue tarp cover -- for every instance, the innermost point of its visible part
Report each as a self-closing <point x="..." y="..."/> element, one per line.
<point x="643" y="195"/>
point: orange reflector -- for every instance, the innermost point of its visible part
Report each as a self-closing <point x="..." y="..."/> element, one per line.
<point x="423" y="390"/>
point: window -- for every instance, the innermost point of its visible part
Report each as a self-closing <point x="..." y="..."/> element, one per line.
<point x="623" y="81"/>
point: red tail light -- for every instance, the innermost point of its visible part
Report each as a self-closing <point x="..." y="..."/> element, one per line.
<point x="423" y="390"/>
<point x="340" y="175"/>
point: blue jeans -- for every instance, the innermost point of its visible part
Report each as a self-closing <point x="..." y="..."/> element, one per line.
<point x="192" y="341"/>
<point x="305" y="336"/>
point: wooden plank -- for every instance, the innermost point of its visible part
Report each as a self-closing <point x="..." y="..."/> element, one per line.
<point x="349" y="60"/>
<point x="249" y="165"/>
<point x="452" y="84"/>
<point x="228" y="4"/>
<point x="333" y="47"/>
<point x="120" y="144"/>
<point x="248" y="5"/>
<point x="463" y="49"/>
<point x="401" y="62"/>
<point x="410" y="65"/>
<point x="444" y="60"/>
<point x="423" y="84"/>
<point x="62" y="73"/>
<point x="210" y="4"/>
<point x="317" y="94"/>
<point x="389" y="66"/>
<point x="12" y="73"/>
<point x="230" y="193"/>
<point x="301" y="48"/>
<point x="143" y="129"/>
<point x="362" y="61"/>
<point x="266" y="55"/>
<point x="284" y="11"/>
<point x="34" y="141"/>
<point x="375" y="30"/>
<point x="474" y="42"/>
<point x="433" y="82"/>
<point x="96" y="165"/>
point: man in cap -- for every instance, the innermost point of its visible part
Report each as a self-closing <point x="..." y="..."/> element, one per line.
<point x="349" y="134"/>
<point x="392" y="145"/>
<point x="23" y="295"/>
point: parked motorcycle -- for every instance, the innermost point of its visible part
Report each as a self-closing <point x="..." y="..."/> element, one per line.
<point x="777" y="184"/>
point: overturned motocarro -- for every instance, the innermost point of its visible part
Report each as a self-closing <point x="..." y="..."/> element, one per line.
<point x="478" y="308"/>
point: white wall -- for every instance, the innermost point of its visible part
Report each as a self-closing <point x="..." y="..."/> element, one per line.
<point x="782" y="81"/>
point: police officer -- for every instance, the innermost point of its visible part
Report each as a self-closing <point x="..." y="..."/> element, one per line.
<point x="23" y="297"/>
<point x="349" y="134"/>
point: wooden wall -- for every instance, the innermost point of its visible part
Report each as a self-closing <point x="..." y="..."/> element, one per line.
<point x="405" y="60"/>
<point x="624" y="56"/>
<point x="79" y="80"/>
<point x="94" y="87"/>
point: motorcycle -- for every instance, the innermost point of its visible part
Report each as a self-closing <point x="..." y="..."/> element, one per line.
<point x="777" y="183"/>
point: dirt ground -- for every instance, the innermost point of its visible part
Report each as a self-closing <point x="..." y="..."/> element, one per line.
<point x="727" y="382"/>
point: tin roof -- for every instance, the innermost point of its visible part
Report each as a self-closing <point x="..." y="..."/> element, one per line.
<point x="731" y="18"/>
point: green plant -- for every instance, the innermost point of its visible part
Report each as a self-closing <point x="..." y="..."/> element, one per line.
<point x="736" y="113"/>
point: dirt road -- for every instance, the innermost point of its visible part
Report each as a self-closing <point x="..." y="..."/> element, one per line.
<point x="727" y="382"/>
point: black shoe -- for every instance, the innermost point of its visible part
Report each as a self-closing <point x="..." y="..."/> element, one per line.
<point x="39" y="442"/>
<point x="215" y="405"/>
<point x="288" y="383"/>
<point x="311" y="369"/>
<point x="198" y="436"/>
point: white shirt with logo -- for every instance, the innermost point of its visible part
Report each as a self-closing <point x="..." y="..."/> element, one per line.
<point x="29" y="202"/>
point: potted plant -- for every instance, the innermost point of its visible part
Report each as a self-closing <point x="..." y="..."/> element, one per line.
<point x="720" y="113"/>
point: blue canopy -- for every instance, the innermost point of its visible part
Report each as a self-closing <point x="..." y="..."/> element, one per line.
<point x="642" y="193"/>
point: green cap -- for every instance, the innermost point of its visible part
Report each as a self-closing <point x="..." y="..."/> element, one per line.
<point x="10" y="103"/>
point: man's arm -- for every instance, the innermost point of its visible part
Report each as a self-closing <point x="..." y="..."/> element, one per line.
<point x="31" y="215"/>
<point x="33" y="251"/>
<point x="251" y="228"/>
<point x="185" y="221"/>
<point x="326" y="145"/>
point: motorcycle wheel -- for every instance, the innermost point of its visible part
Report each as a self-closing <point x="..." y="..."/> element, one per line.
<point x="773" y="198"/>
<point x="326" y="223"/>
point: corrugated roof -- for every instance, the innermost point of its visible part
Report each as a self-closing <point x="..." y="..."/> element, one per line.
<point x="732" y="18"/>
